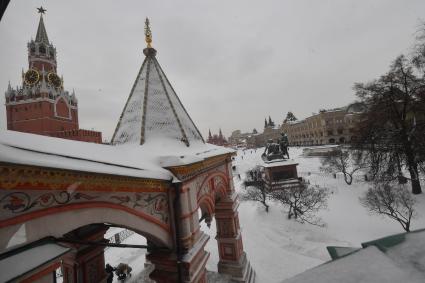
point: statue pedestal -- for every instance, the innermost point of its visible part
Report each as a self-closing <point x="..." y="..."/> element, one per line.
<point x="279" y="174"/>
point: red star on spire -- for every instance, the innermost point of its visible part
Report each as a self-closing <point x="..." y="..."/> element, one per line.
<point x="41" y="10"/>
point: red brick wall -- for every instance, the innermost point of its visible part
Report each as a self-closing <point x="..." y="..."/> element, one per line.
<point x="79" y="135"/>
<point x="39" y="117"/>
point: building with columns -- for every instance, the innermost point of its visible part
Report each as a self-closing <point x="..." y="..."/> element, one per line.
<point x="334" y="126"/>
<point x="41" y="105"/>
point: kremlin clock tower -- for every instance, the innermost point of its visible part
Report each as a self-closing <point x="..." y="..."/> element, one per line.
<point x="42" y="105"/>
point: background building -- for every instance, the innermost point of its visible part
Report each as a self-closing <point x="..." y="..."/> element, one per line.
<point x="239" y="139"/>
<point x="335" y="126"/>
<point x="41" y="105"/>
<point x="217" y="139"/>
<point x="271" y="131"/>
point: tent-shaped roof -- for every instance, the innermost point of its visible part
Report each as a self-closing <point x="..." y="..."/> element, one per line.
<point x="153" y="109"/>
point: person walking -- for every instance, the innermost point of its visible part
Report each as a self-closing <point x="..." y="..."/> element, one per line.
<point x="110" y="271"/>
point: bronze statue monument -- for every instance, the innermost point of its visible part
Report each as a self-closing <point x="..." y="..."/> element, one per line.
<point x="278" y="150"/>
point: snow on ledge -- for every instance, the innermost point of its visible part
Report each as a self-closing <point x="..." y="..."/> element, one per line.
<point x="143" y="161"/>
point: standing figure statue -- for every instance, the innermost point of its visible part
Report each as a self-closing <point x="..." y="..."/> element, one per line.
<point x="123" y="271"/>
<point x="284" y="143"/>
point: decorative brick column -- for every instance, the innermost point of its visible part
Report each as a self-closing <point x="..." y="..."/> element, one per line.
<point x="86" y="263"/>
<point x="233" y="260"/>
<point x="191" y="265"/>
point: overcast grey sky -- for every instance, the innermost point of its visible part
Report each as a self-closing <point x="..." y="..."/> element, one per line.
<point x="232" y="63"/>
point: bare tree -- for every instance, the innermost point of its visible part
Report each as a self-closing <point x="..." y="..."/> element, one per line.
<point x="393" y="124"/>
<point x="255" y="188"/>
<point x="290" y="117"/>
<point x="304" y="201"/>
<point x="391" y="200"/>
<point x="346" y="162"/>
<point x="419" y="49"/>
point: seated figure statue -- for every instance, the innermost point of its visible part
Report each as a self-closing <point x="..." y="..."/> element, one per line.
<point x="273" y="151"/>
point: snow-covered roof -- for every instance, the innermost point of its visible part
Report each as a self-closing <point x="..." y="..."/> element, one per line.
<point x="154" y="110"/>
<point x="401" y="260"/>
<point x="16" y="264"/>
<point x="147" y="161"/>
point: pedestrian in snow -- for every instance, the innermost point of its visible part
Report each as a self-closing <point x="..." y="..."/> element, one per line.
<point x="110" y="271"/>
<point x="123" y="271"/>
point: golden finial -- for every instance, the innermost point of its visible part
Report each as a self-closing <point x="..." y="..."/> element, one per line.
<point x="148" y="33"/>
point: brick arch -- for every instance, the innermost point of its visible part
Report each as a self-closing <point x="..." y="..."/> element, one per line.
<point x="207" y="200"/>
<point x="207" y="204"/>
<point x="221" y="189"/>
<point x="59" y="220"/>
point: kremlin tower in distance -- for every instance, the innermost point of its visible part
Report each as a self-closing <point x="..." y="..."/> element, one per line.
<point x="42" y="105"/>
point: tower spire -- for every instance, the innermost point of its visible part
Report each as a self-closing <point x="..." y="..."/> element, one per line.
<point x="41" y="31"/>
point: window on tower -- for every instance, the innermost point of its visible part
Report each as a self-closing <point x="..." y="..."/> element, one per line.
<point x="42" y="49"/>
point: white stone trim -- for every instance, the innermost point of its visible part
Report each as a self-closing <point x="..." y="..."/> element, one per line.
<point x="67" y="104"/>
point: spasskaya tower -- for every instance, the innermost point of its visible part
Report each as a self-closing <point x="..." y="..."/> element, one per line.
<point x="41" y="105"/>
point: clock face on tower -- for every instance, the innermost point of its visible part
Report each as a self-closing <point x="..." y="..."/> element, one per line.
<point x="54" y="80"/>
<point x="31" y="77"/>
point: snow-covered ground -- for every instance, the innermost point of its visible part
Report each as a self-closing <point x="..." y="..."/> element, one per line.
<point x="279" y="248"/>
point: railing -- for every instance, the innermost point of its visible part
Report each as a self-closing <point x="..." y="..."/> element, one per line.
<point x="118" y="238"/>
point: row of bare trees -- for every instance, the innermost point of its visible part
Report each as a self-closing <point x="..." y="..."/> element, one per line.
<point x="390" y="199"/>
<point x="387" y="196"/>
